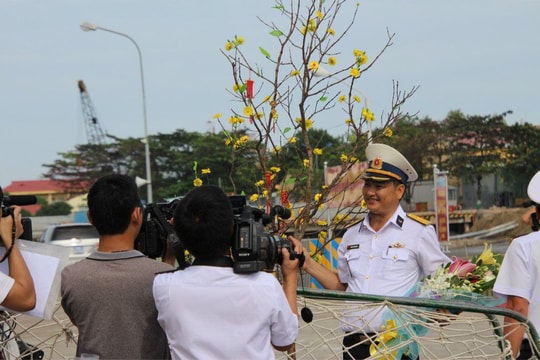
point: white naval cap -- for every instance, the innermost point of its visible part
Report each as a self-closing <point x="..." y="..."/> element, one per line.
<point x="533" y="190"/>
<point x="385" y="163"/>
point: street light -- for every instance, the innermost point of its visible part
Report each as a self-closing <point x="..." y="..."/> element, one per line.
<point x="85" y="26"/>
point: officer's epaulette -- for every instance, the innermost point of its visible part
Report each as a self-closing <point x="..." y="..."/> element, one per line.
<point x="419" y="219"/>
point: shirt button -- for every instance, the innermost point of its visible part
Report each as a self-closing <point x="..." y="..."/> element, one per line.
<point x="367" y="277"/>
<point x="395" y="257"/>
<point x="371" y="257"/>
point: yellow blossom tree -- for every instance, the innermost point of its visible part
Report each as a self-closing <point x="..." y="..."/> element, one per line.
<point x="285" y="93"/>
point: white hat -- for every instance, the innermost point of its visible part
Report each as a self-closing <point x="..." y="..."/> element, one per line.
<point x="533" y="190"/>
<point x="385" y="163"/>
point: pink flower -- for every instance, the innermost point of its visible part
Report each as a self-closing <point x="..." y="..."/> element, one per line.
<point x="461" y="267"/>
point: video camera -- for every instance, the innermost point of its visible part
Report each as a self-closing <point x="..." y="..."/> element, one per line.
<point x="253" y="248"/>
<point x="20" y="200"/>
<point x="156" y="230"/>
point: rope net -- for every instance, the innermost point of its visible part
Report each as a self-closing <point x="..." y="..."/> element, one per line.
<point x="432" y="329"/>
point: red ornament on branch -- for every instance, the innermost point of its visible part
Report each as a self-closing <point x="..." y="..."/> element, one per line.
<point x="249" y="89"/>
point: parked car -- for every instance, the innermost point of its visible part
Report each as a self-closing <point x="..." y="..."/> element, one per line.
<point x="82" y="238"/>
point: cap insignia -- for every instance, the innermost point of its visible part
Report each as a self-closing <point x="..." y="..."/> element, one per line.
<point x="377" y="163"/>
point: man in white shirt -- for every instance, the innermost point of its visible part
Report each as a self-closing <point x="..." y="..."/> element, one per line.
<point x="518" y="281"/>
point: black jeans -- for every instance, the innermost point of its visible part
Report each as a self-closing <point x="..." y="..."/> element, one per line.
<point x="355" y="350"/>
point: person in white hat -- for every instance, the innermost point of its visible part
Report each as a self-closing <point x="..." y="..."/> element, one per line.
<point x="387" y="253"/>
<point x="518" y="281"/>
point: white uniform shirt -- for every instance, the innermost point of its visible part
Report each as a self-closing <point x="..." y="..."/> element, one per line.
<point x="6" y="283"/>
<point x="210" y="312"/>
<point x="520" y="273"/>
<point x="388" y="262"/>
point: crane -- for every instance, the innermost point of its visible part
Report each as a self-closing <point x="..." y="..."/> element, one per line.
<point x="95" y="134"/>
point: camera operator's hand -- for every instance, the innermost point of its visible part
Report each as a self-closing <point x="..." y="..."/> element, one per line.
<point x="299" y="248"/>
<point x="6" y="226"/>
<point x="22" y="296"/>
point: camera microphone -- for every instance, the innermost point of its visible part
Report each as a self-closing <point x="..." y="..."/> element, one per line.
<point x="281" y="211"/>
<point x="20" y="200"/>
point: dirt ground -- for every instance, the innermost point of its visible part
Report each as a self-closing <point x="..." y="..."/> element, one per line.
<point x="489" y="218"/>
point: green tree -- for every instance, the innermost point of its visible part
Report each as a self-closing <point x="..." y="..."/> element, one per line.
<point x="477" y="146"/>
<point x="522" y="156"/>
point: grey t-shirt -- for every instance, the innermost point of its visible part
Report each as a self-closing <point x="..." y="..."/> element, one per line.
<point x="108" y="296"/>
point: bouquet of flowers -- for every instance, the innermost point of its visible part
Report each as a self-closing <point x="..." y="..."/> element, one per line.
<point x="466" y="280"/>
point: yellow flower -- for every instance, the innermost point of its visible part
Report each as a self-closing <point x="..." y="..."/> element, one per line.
<point x="322" y="222"/>
<point x="317" y="257"/>
<point x="306" y="162"/>
<point x="348" y="121"/>
<point x="206" y="171"/>
<point x="254" y="197"/>
<point x="314" y="65"/>
<point x="344" y="158"/>
<point x="259" y="115"/>
<point x="303" y="30"/>
<point x="276" y="149"/>
<point x="248" y="111"/>
<point x="357" y="98"/>
<point x="259" y="183"/>
<point x="295" y="72"/>
<point x="361" y="57"/>
<point x="265" y="193"/>
<point x="388" y="132"/>
<point x="367" y="114"/>
<point x="487" y="256"/>
<point x="363" y="204"/>
<point x="322" y="235"/>
<point x="332" y="61"/>
<point x="341" y="98"/>
<point x="266" y="98"/>
<point x="331" y="31"/>
<point x="216" y="116"/>
<point x="197" y="182"/>
<point x="319" y="14"/>
<point x="340" y="217"/>
<point x="317" y="151"/>
<point x="317" y="197"/>
<point x="292" y="140"/>
<point x="239" y="40"/>
<point x="235" y="87"/>
<point x="308" y="122"/>
<point x="228" y="46"/>
<point x="228" y="141"/>
<point x="355" y="72"/>
<point x="275" y="169"/>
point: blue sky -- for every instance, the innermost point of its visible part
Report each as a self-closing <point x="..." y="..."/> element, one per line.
<point x="478" y="56"/>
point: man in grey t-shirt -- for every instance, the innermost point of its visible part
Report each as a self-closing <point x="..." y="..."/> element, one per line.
<point x="108" y="295"/>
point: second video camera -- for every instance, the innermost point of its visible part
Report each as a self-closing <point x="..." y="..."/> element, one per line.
<point x="254" y="248"/>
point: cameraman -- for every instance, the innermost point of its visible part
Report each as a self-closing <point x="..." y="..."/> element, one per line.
<point x="207" y="310"/>
<point x="108" y="295"/>
<point x="16" y="290"/>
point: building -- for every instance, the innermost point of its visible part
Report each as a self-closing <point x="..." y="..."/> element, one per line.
<point x="50" y="190"/>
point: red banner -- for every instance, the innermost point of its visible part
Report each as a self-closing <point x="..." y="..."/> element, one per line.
<point x="441" y="201"/>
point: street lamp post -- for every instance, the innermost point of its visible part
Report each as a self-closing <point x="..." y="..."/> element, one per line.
<point x="85" y="26"/>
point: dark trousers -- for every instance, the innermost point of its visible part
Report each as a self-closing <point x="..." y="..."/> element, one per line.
<point x="357" y="346"/>
<point x="525" y="351"/>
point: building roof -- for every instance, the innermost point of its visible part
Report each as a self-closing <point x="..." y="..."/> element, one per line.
<point x="35" y="187"/>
